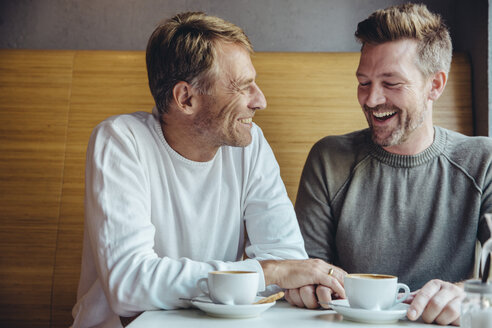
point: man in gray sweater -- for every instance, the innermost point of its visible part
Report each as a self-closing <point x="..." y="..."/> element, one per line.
<point x="403" y="197"/>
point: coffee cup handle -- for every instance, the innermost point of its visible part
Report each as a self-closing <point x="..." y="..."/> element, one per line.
<point x="201" y="283"/>
<point x="400" y="286"/>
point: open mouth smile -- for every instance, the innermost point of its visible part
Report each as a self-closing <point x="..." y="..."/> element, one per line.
<point x="246" y="120"/>
<point x="383" y="116"/>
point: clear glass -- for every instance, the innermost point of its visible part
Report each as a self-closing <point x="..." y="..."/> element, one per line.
<point x="476" y="308"/>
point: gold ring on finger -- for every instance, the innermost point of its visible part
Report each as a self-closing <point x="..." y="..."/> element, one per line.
<point x="330" y="272"/>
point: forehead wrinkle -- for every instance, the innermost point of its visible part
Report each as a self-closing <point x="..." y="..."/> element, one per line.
<point x="232" y="76"/>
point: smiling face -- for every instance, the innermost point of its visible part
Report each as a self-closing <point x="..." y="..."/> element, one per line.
<point x="226" y="114"/>
<point x="394" y="95"/>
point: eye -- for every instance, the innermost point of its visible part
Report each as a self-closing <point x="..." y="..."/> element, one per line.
<point x="248" y="88"/>
<point x="242" y="88"/>
<point x="392" y="85"/>
<point x="364" y="84"/>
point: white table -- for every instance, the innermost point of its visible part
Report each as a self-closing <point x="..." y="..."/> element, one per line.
<point x="281" y="315"/>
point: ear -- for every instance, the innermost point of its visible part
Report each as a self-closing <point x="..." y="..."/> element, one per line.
<point x="183" y="95"/>
<point x="438" y="82"/>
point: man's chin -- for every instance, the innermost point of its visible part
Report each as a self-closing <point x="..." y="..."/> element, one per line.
<point x="385" y="140"/>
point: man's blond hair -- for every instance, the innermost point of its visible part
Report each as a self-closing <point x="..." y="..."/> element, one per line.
<point x="411" y="21"/>
<point x="184" y="48"/>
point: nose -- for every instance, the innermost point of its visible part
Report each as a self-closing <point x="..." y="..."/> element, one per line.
<point x="258" y="100"/>
<point x="375" y="96"/>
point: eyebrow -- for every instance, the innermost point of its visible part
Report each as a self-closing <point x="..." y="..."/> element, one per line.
<point x="380" y="75"/>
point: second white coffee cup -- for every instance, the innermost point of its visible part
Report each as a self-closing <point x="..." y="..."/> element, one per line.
<point x="230" y="287"/>
<point x="374" y="291"/>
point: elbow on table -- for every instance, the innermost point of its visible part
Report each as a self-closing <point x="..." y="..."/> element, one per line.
<point x="123" y="306"/>
<point x="129" y="291"/>
<point x="127" y="299"/>
<point x="128" y="306"/>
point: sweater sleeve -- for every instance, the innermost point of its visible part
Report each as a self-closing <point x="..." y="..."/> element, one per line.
<point x="121" y="235"/>
<point x="483" y="230"/>
<point x="313" y="209"/>
<point x="271" y="225"/>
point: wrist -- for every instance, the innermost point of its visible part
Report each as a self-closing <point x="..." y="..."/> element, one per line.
<point x="269" y="271"/>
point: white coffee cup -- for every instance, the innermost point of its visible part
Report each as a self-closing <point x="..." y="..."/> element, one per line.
<point x="373" y="291"/>
<point x="230" y="287"/>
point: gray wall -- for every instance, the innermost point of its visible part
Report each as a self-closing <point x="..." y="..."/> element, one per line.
<point x="272" y="25"/>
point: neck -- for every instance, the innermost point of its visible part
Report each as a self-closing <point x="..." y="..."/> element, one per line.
<point x="420" y="139"/>
<point x="184" y="140"/>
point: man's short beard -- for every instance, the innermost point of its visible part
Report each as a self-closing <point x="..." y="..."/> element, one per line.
<point x="395" y="138"/>
<point x="209" y="126"/>
<point x="400" y="134"/>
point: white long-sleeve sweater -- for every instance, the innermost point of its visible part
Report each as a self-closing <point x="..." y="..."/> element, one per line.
<point x="156" y="222"/>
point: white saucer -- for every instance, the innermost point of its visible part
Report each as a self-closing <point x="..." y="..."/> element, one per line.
<point x="390" y="315"/>
<point x="231" y="311"/>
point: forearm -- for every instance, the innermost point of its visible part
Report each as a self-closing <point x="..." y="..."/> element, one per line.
<point x="133" y="286"/>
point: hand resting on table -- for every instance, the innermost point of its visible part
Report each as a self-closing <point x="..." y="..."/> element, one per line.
<point x="437" y="302"/>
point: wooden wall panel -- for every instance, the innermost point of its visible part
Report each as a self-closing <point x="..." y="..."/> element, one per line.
<point x="454" y="109"/>
<point x="34" y="97"/>
<point x="312" y="95"/>
<point x="309" y="96"/>
<point x="105" y="83"/>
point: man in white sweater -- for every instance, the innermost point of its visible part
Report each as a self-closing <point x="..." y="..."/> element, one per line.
<point x="189" y="188"/>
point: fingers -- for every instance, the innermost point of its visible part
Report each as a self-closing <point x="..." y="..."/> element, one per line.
<point x="422" y="298"/>
<point x="330" y="276"/>
<point x="324" y="296"/>
<point x="333" y="283"/>
<point x="337" y="273"/>
<point x="437" y="301"/>
<point x="302" y="297"/>
<point x="450" y="313"/>
<point x="411" y="297"/>
<point x="293" y="297"/>
<point x="308" y="297"/>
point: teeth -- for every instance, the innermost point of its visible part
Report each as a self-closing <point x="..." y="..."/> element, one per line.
<point x="384" y="114"/>
<point x="246" y="120"/>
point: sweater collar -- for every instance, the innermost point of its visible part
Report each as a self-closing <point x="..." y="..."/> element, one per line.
<point x="395" y="160"/>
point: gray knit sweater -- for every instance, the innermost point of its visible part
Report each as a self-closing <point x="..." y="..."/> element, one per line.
<point x="417" y="217"/>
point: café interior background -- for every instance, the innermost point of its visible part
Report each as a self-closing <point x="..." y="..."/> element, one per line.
<point x="272" y="25"/>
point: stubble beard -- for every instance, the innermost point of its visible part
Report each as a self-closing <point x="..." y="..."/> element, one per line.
<point x="211" y="127"/>
<point x="399" y="134"/>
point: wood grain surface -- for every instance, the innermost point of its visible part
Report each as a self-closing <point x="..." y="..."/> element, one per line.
<point x="34" y="105"/>
<point x="104" y="84"/>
